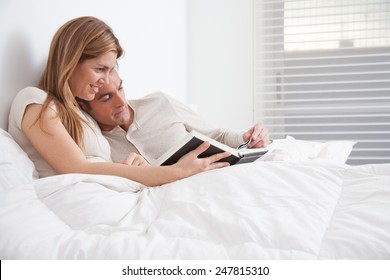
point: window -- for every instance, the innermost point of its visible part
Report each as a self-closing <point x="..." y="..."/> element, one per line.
<point x="322" y="72"/>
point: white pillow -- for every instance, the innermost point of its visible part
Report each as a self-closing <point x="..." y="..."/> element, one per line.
<point x="290" y="149"/>
<point x="15" y="166"/>
<point x="336" y="150"/>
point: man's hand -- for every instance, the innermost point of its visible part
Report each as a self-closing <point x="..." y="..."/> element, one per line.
<point x="135" y="160"/>
<point x="258" y="135"/>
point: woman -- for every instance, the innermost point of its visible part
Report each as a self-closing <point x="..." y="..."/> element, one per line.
<point x="48" y="124"/>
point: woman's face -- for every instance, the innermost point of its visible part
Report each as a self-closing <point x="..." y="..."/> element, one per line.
<point x="90" y="75"/>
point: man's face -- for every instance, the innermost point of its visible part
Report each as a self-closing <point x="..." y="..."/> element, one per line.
<point x="109" y="108"/>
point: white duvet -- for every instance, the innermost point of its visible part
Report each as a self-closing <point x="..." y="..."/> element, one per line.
<point x="263" y="210"/>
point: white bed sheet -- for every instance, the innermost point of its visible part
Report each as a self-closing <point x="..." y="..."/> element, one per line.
<point x="264" y="210"/>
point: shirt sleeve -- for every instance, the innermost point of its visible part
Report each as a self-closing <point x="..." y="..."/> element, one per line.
<point x="27" y="96"/>
<point x="193" y="121"/>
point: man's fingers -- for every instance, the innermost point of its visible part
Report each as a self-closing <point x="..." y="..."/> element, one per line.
<point x="134" y="159"/>
<point x="129" y="159"/>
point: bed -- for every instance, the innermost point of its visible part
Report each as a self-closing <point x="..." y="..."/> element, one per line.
<point x="300" y="201"/>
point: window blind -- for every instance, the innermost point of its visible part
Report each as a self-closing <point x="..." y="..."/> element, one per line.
<point x="322" y="72"/>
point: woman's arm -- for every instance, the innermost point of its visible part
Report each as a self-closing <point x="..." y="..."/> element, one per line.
<point x="52" y="141"/>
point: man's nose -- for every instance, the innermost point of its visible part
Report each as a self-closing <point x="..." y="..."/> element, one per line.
<point x="119" y="100"/>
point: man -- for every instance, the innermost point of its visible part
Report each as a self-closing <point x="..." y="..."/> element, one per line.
<point x="150" y="126"/>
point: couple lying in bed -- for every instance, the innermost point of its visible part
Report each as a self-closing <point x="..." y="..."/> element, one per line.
<point x="48" y="123"/>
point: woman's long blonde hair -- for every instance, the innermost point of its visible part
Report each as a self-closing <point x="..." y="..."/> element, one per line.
<point x="77" y="40"/>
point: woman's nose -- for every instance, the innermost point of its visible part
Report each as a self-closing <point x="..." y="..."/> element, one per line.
<point x="105" y="79"/>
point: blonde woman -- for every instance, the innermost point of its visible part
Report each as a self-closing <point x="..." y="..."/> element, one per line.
<point x="48" y="124"/>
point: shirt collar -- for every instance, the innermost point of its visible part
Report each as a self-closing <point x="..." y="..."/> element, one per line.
<point x="133" y="126"/>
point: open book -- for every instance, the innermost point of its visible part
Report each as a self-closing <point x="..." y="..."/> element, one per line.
<point x="194" y="139"/>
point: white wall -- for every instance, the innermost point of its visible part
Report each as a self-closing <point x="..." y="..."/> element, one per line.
<point x="220" y="60"/>
<point x="152" y="32"/>
<point x="199" y="51"/>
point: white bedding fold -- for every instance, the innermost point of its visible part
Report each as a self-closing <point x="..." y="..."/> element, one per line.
<point x="263" y="210"/>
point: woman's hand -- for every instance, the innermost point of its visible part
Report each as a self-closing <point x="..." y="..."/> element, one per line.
<point x="134" y="159"/>
<point x="258" y="135"/>
<point x="191" y="164"/>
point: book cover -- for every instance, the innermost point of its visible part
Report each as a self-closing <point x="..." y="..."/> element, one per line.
<point x="194" y="139"/>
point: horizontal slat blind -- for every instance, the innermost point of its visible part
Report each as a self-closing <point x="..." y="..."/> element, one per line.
<point x="322" y="72"/>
